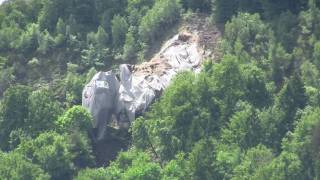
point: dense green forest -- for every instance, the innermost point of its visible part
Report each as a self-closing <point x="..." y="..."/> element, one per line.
<point x="252" y="113"/>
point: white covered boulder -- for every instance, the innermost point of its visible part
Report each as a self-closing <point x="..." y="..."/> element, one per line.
<point x="110" y="98"/>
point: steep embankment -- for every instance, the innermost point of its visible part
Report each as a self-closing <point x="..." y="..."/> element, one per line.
<point x="116" y="99"/>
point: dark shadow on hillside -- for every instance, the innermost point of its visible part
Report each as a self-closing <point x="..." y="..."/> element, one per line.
<point x="106" y="150"/>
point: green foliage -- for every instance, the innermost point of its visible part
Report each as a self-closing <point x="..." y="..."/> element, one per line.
<point x="223" y="10"/>
<point x="200" y="5"/>
<point x="60" y="39"/>
<point x="308" y="35"/>
<point x="273" y="8"/>
<point x="140" y="134"/>
<point x="97" y="58"/>
<point x="303" y="142"/>
<point x="227" y="157"/>
<point x="51" y="152"/>
<point x="251" y="33"/>
<point x="142" y="171"/>
<point x="102" y="37"/>
<point x="201" y="160"/>
<point x="316" y="54"/>
<point x="244" y="128"/>
<point x="281" y="62"/>
<point x="250" y="102"/>
<point x="56" y="154"/>
<point x="6" y="79"/>
<point x="174" y="124"/>
<point x="98" y="39"/>
<point x="81" y="149"/>
<point x="286" y="166"/>
<point x="14" y="112"/>
<point x="257" y="92"/>
<point x="162" y="15"/>
<point x="254" y="160"/>
<point x="83" y="32"/>
<point x="51" y="12"/>
<point x="46" y="42"/>
<point x="28" y="41"/>
<point x="134" y="165"/>
<point x="291" y="98"/>
<point x="85" y="13"/>
<point x="43" y="110"/>
<point x="269" y="122"/>
<point x="75" y="119"/>
<point x="16" y="167"/>
<point x="228" y="85"/>
<point x="119" y="29"/>
<point x="176" y="169"/>
<point x="286" y="30"/>
<point x="130" y="47"/>
<point x="9" y="37"/>
<point x="74" y="84"/>
<point x="310" y="74"/>
<point x="92" y="174"/>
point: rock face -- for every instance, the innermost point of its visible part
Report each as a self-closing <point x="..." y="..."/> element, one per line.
<point x="119" y="98"/>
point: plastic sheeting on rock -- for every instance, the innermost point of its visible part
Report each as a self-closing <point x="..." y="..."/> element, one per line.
<point x="107" y="97"/>
<point x="100" y="97"/>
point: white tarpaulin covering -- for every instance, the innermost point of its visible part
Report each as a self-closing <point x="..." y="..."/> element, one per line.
<point x="108" y="97"/>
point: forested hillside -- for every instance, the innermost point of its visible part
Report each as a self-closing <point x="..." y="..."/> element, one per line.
<point x="251" y="113"/>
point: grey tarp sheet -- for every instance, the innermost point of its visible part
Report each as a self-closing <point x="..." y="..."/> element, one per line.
<point x="107" y="97"/>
